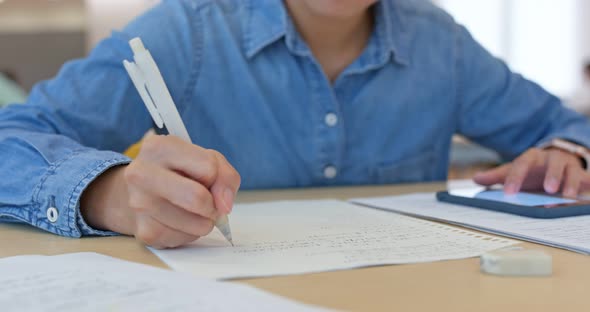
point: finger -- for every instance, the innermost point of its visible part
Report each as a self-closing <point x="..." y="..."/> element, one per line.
<point x="519" y="170"/>
<point x="226" y="186"/>
<point x="493" y="176"/>
<point x="555" y="171"/>
<point x="182" y="220"/>
<point x="174" y="153"/>
<point x="155" y="181"/>
<point x="158" y="235"/>
<point x="204" y="166"/>
<point x="585" y="182"/>
<point x="573" y="179"/>
<point x="177" y="218"/>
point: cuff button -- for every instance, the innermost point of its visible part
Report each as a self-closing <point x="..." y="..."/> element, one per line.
<point x="52" y="214"/>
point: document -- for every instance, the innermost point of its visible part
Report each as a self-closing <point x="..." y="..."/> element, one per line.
<point x="93" y="282"/>
<point x="296" y="237"/>
<point x="568" y="233"/>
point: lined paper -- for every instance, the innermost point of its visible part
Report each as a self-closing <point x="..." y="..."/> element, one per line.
<point x="296" y="237"/>
<point x="568" y="233"/>
<point x="93" y="282"/>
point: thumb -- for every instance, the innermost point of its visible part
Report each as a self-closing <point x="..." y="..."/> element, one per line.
<point x="493" y="176"/>
<point x="226" y="186"/>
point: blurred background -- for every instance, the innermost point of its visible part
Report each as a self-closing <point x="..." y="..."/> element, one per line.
<point x="547" y="41"/>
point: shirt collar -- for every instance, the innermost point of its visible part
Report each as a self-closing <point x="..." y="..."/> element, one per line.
<point x="391" y="30"/>
<point x="268" y="22"/>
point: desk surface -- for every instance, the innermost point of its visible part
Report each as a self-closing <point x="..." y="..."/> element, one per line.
<point x="441" y="286"/>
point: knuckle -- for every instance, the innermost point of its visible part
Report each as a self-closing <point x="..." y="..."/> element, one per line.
<point x="237" y="177"/>
<point x="521" y="162"/>
<point x="514" y="175"/>
<point x="555" y="153"/>
<point x="216" y="154"/>
<point x="130" y="172"/>
<point x="196" y="198"/>
<point x="201" y="194"/>
<point x="154" y="144"/>
<point x="533" y="152"/>
<point x="209" y="174"/>
<point x="556" y="163"/>
<point x="230" y="172"/>
<point x="133" y="173"/>
<point x="150" y="235"/>
<point x="551" y="160"/>
<point x="219" y="156"/>
<point x="211" y="156"/>
<point x="136" y="204"/>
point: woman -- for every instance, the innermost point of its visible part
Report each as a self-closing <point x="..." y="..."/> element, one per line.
<point x="292" y="93"/>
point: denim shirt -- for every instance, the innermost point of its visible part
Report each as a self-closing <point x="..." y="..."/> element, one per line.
<point x="247" y="85"/>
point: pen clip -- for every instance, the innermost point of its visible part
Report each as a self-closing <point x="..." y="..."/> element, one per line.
<point x="140" y="83"/>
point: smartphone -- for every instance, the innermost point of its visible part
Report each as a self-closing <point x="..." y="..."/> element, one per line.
<point x="533" y="205"/>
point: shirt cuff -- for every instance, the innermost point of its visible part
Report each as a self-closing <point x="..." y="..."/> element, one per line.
<point x="57" y="198"/>
<point x="87" y="230"/>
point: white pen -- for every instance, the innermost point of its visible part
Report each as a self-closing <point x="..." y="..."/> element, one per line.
<point x="152" y="88"/>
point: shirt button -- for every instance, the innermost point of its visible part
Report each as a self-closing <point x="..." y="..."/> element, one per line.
<point x="52" y="214"/>
<point x="331" y="120"/>
<point x="330" y="172"/>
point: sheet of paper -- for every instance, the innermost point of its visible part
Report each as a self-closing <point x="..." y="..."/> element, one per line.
<point x="567" y="233"/>
<point x="280" y="238"/>
<point x="461" y="184"/>
<point x="93" y="282"/>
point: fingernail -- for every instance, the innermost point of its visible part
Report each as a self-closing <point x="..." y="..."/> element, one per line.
<point x="570" y="193"/>
<point x="552" y="185"/>
<point x="510" y="188"/>
<point x="228" y="198"/>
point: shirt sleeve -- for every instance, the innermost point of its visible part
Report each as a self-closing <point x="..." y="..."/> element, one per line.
<point x="504" y="111"/>
<point x="75" y="127"/>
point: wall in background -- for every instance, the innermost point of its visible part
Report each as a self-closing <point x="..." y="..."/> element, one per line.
<point x="584" y="25"/>
<point x="26" y="16"/>
<point x="37" y="37"/>
<point x="104" y="16"/>
<point x="545" y="40"/>
<point x="38" y="56"/>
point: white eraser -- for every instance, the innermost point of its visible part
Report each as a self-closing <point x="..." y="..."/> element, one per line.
<point x="517" y="263"/>
<point x="137" y="45"/>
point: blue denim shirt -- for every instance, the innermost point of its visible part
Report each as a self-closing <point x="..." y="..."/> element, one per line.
<point x="247" y="85"/>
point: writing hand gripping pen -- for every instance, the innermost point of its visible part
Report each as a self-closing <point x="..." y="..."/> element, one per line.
<point x="150" y="84"/>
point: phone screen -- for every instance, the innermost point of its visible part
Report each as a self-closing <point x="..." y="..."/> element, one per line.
<point x="521" y="198"/>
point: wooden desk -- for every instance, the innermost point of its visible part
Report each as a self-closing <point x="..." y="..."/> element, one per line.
<point x="441" y="286"/>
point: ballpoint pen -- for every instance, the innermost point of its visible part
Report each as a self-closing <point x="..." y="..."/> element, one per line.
<point x="150" y="84"/>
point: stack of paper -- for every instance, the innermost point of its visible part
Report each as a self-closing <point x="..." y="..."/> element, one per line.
<point x="279" y="238"/>
<point x="567" y="233"/>
<point x="93" y="282"/>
